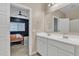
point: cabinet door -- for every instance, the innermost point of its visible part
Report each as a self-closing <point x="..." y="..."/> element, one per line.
<point x="64" y="53"/>
<point x="38" y="45"/>
<point x="52" y="50"/>
<point x="42" y="47"/>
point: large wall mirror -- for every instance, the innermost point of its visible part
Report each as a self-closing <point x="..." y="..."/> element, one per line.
<point x="65" y="20"/>
<point x="65" y="25"/>
<point x="61" y="25"/>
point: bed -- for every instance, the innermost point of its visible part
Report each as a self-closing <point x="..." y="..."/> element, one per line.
<point x="16" y="38"/>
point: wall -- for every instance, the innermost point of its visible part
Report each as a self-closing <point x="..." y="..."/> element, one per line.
<point x="37" y="20"/>
<point x="14" y="11"/>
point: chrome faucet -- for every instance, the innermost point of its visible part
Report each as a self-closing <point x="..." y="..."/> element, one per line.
<point x="65" y="36"/>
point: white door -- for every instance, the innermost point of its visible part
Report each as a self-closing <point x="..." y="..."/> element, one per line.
<point x="63" y="25"/>
<point x="4" y="29"/>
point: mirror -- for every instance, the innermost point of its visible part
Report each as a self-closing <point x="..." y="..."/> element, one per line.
<point x="65" y="25"/>
<point x="74" y="25"/>
<point x="61" y="25"/>
<point x="65" y="20"/>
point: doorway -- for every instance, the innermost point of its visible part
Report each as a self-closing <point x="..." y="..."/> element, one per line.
<point x="20" y="21"/>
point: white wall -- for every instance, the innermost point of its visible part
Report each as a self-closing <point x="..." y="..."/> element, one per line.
<point x="14" y="11"/>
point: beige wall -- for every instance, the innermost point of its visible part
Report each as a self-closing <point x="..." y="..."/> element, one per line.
<point x="37" y="20"/>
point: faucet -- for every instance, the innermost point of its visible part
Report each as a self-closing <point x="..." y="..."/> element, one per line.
<point x="48" y="33"/>
<point x="65" y="36"/>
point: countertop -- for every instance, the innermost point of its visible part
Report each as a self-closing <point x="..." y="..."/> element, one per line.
<point x="72" y="39"/>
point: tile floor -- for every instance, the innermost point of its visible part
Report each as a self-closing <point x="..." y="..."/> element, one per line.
<point x="19" y="50"/>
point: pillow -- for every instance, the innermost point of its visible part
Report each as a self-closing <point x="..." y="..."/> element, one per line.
<point x="13" y="37"/>
<point x="19" y="36"/>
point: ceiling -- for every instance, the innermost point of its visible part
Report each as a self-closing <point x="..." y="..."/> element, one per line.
<point x="70" y="9"/>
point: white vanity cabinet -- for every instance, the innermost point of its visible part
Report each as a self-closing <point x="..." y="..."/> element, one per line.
<point x="59" y="48"/>
<point x="51" y="47"/>
<point x="62" y="52"/>
<point x="42" y="46"/>
<point x="52" y="50"/>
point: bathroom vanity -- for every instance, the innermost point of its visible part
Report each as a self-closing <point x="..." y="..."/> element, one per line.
<point x="55" y="44"/>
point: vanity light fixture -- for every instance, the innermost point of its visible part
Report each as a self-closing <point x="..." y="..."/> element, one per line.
<point x="51" y="4"/>
<point x="20" y="14"/>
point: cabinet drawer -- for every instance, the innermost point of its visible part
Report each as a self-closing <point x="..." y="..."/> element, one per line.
<point x="64" y="53"/>
<point x="67" y="47"/>
<point x="42" y="39"/>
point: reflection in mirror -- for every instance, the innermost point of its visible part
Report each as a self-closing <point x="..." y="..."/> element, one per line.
<point x="55" y="24"/>
<point x="64" y="20"/>
<point x="74" y="25"/>
<point x="61" y="25"/>
<point x="65" y="25"/>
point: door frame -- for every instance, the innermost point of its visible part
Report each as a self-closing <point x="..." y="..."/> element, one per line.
<point x="30" y="23"/>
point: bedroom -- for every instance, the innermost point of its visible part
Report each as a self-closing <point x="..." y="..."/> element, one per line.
<point x="19" y="30"/>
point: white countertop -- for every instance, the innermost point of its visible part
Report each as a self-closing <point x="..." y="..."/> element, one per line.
<point x="72" y="39"/>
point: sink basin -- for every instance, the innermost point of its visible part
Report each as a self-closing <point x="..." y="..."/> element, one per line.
<point x="66" y="37"/>
<point x="56" y="35"/>
<point x="74" y="39"/>
<point x="49" y="34"/>
<point x="44" y="34"/>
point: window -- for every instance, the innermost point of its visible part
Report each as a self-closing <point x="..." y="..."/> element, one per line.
<point x="16" y="26"/>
